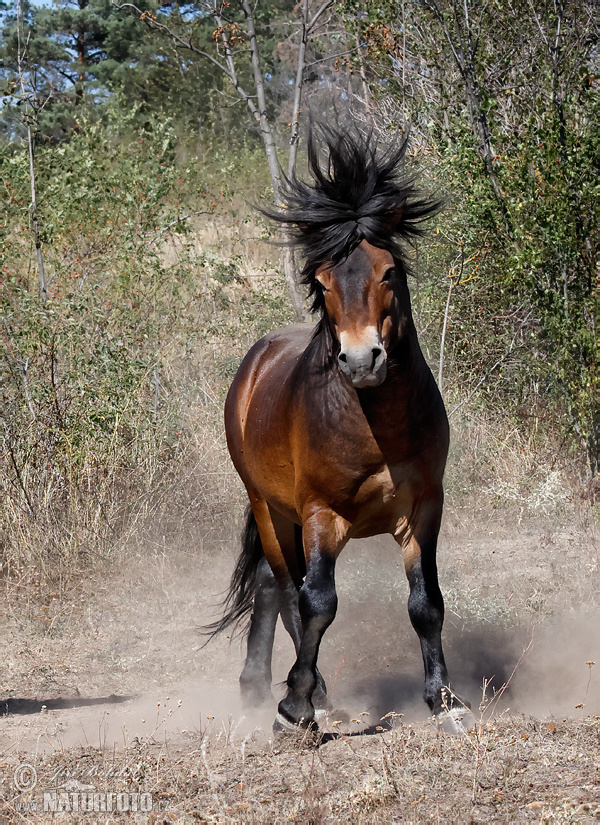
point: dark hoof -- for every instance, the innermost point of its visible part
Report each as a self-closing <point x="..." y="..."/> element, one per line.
<point x="308" y="732"/>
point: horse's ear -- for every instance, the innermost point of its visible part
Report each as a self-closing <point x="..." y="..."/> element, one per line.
<point x="393" y="218"/>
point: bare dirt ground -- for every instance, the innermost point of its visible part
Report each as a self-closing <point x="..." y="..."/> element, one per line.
<point x="106" y="688"/>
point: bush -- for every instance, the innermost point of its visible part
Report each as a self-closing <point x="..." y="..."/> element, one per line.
<point x="100" y="379"/>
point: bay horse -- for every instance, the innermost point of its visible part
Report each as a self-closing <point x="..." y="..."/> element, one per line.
<point x="338" y="429"/>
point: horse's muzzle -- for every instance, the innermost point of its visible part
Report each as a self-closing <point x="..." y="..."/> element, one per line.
<point x="364" y="359"/>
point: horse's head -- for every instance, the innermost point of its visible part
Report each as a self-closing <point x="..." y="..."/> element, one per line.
<point x="348" y="224"/>
<point x="361" y="300"/>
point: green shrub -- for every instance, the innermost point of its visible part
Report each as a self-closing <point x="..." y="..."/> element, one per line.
<point x="142" y="324"/>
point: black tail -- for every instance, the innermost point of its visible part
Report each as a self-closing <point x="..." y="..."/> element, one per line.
<point x="240" y="595"/>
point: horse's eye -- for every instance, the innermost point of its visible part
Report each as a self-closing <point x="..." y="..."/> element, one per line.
<point x="389" y="274"/>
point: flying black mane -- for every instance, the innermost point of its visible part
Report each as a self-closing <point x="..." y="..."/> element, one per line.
<point x="358" y="194"/>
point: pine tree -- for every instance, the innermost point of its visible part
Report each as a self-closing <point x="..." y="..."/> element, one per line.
<point x="75" y="52"/>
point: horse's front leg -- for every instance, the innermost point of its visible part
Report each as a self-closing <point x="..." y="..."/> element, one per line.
<point x="425" y="602"/>
<point x="290" y="615"/>
<point x="317" y="604"/>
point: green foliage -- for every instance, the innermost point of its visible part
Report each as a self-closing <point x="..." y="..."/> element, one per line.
<point x="70" y="51"/>
<point x="155" y="287"/>
<point x="81" y="51"/>
<point x="97" y="381"/>
<point x="505" y="102"/>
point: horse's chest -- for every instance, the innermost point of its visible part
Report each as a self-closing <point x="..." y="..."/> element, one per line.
<point x="367" y="498"/>
<point x="378" y="487"/>
<point x="380" y="502"/>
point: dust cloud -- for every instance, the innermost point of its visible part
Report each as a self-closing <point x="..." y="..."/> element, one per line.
<point x="135" y="651"/>
<point x="519" y="662"/>
<point x="560" y="675"/>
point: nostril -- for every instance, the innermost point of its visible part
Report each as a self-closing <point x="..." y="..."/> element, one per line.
<point x="343" y="357"/>
<point x="376" y="353"/>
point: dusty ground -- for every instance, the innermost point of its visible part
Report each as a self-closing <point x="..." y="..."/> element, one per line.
<point x="108" y="688"/>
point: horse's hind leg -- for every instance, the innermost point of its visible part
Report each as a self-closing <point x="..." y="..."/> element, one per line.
<point x="271" y="593"/>
<point x="255" y="680"/>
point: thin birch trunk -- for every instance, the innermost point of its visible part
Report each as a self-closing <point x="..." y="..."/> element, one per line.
<point x="30" y="147"/>
<point x="257" y="109"/>
<point x="443" y="340"/>
<point x="289" y="260"/>
<point x="261" y="113"/>
<point x="289" y="264"/>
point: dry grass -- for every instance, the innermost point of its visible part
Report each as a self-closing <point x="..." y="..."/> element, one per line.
<point x="513" y="769"/>
<point x="74" y="494"/>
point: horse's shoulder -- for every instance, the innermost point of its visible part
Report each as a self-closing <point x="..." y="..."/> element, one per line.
<point x="285" y="343"/>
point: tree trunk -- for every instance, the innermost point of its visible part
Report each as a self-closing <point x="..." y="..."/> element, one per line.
<point x="464" y="51"/>
<point x="30" y="147"/>
<point x="289" y="263"/>
<point x="34" y="219"/>
<point x="257" y="109"/>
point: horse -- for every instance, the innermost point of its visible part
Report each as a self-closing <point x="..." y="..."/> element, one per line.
<point x="338" y="429"/>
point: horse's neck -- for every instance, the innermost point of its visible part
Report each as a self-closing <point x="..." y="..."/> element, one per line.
<point x="406" y="363"/>
<point x="407" y="392"/>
